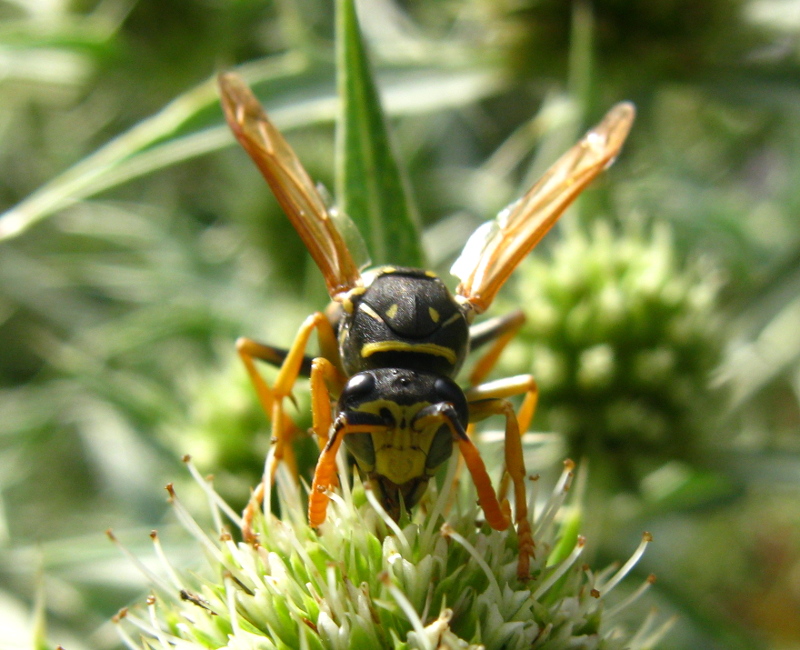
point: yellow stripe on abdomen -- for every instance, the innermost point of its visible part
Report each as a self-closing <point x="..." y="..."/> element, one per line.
<point x="369" y="349"/>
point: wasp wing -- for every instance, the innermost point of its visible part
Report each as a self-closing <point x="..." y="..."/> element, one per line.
<point x="291" y="184"/>
<point x="497" y="247"/>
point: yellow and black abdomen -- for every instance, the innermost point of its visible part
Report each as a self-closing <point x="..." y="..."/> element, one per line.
<point x="405" y="318"/>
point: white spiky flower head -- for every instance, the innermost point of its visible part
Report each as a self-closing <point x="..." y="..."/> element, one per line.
<point x="366" y="581"/>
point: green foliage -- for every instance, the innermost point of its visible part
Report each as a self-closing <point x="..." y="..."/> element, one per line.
<point x="370" y="184"/>
<point x="136" y="244"/>
<point x="623" y="344"/>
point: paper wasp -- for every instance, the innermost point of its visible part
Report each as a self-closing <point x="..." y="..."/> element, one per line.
<point x="393" y="339"/>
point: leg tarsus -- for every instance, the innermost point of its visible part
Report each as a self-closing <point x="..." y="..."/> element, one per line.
<point x="491" y="401"/>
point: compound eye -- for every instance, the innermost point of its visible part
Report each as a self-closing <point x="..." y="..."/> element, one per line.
<point x="360" y="387"/>
<point x="448" y="391"/>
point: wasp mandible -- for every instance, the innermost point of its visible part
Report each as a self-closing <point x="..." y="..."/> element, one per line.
<point x="394" y="338"/>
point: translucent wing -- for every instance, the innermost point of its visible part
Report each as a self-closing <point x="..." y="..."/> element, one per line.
<point x="291" y="184"/>
<point x="497" y="247"/>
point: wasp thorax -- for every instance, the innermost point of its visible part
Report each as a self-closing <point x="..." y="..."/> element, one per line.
<point x="405" y="318"/>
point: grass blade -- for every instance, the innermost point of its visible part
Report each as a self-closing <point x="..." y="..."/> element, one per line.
<point x="370" y="184"/>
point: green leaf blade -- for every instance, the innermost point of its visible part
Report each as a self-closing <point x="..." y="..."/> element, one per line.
<point x="370" y="184"/>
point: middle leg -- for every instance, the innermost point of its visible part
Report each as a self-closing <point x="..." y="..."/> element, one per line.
<point x="491" y="399"/>
<point x="293" y="363"/>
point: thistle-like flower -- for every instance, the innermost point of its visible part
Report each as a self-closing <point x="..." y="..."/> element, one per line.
<point x="436" y="579"/>
<point x="623" y="341"/>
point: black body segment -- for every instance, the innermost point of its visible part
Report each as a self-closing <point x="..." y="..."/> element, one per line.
<point x="405" y="318"/>
<point x="415" y="417"/>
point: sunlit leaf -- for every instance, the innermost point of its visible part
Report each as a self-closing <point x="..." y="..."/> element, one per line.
<point x="370" y="182"/>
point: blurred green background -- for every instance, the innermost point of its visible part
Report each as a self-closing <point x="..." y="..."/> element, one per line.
<point x="136" y="244"/>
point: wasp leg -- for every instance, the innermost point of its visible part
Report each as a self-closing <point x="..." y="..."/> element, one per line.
<point x="271" y="399"/>
<point x="325" y="473"/>
<point x="324" y="374"/>
<point x="509" y="387"/>
<point x="503" y="389"/>
<point x="490" y="399"/>
<point x="497" y="516"/>
<point x="276" y="356"/>
<point x="283" y="427"/>
<point x="499" y="331"/>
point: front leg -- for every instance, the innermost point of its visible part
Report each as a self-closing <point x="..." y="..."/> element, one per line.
<point x="444" y="413"/>
<point x="325" y="472"/>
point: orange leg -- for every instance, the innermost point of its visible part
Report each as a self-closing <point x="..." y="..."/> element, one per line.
<point x="324" y="375"/>
<point x="509" y="387"/>
<point x="504" y="388"/>
<point x="325" y="473"/>
<point x="499" y="331"/>
<point x="271" y="399"/>
<point x="497" y="516"/>
<point x="490" y="399"/>
<point x="249" y="351"/>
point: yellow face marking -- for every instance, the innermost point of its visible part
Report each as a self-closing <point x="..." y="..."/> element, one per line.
<point x="401" y="346"/>
<point x="401" y="452"/>
<point x="431" y="274"/>
<point x="388" y="269"/>
<point x="392" y="311"/>
<point x="433" y="314"/>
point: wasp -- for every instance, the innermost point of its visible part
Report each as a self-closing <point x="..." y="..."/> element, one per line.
<point x="394" y="339"/>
